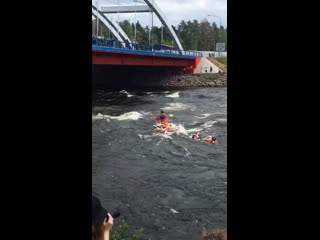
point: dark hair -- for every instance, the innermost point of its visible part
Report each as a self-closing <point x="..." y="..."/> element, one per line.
<point x="162" y="111"/>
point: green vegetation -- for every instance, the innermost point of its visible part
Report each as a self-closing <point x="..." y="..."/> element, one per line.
<point x="223" y="60"/>
<point x="125" y="234"/>
<point x="198" y="36"/>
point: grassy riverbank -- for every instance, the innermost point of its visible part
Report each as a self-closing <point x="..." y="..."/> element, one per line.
<point x="220" y="63"/>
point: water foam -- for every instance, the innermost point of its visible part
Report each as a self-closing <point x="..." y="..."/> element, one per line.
<point x="222" y="120"/>
<point x="125" y="92"/>
<point x="173" y="211"/>
<point x="164" y="136"/>
<point x="206" y="125"/>
<point x="173" y="95"/>
<point x="146" y="137"/>
<point x="205" y="115"/>
<point x="125" y="116"/>
<point x="146" y="113"/>
<point x="177" y="107"/>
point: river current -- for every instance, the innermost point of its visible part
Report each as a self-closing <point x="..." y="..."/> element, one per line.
<point x="169" y="184"/>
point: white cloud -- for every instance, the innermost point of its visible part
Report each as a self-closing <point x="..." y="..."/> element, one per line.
<point x="176" y="11"/>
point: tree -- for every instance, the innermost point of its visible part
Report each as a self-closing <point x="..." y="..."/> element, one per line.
<point x="126" y="27"/>
<point x="205" y="35"/>
<point x="192" y="35"/>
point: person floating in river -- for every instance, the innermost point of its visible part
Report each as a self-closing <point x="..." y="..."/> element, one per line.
<point x="196" y="136"/>
<point x="211" y="139"/>
<point x="208" y="138"/>
<point x="165" y="127"/>
<point x="170" y="128"/>
<point x="100" y="225"/>
<point x="159" y="126"/>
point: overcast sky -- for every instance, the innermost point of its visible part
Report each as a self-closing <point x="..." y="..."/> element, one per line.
<point x="175" y="11"/>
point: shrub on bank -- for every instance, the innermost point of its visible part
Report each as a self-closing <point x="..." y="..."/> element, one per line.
<point x="125" y="234"/>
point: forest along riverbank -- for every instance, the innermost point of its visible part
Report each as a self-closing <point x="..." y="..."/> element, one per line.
<point x="197" y="80"/>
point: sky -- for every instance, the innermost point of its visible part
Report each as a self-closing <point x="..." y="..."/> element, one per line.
<point x="175" y="11"/>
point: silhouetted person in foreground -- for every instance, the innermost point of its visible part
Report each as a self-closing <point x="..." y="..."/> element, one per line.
<point x="102" y="221"/>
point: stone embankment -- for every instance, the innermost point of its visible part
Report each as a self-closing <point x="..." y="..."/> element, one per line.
<point x="198" y="80"/>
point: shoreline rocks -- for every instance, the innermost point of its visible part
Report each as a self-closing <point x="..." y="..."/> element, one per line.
<point x="197" y="80"/>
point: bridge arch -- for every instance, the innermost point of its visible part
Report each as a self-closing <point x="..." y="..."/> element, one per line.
<point x="110" y="24"/>
<point x="151" y="4"/>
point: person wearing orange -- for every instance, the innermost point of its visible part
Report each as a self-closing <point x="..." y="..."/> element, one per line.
<point x="214" y="140"/>
<point x="208" y="138"/>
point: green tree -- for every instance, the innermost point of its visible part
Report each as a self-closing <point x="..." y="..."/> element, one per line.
<point x="198" y="36"/>
<point x="126" y="27"/>
<point x="142" y="36"/>
<point x="204" y="36"/>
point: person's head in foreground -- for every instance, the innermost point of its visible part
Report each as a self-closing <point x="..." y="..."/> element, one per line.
<point x="102" y="221"/>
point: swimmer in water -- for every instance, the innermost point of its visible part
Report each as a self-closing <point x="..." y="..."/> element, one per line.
<point x="208" y="138"/>
<point x="211" y="139"/>
<point x="196" y="136"/>
<point x="170" y="128"/>
<point x="214" y="140"/>
<point x="165" y="127"/>
<point x="158" y="125"/>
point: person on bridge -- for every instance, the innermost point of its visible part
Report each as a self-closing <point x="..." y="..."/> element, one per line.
<point x="127" y="44"/>
<point x="100" y="226"/>
<point x="133" y="44"/>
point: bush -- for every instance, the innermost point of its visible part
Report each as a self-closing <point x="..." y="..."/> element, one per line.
<point x="125" y="234"/>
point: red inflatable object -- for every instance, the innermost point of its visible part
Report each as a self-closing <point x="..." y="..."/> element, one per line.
<point x="162" y="120"/>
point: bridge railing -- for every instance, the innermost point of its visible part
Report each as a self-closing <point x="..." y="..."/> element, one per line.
<point x="140" y="47"/>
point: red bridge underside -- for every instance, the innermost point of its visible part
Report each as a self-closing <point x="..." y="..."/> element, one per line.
<point x="123" y="58"/>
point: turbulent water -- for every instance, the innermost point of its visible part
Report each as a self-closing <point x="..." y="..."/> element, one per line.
<point x="169" y="184"/>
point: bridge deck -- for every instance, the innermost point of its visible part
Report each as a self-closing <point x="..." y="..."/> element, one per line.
<point x="141" y="52"/>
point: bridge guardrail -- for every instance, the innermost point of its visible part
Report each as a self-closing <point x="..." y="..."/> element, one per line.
<point x="140" y="47"/>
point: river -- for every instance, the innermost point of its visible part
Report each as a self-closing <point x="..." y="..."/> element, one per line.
<point x="169" y="184"/>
